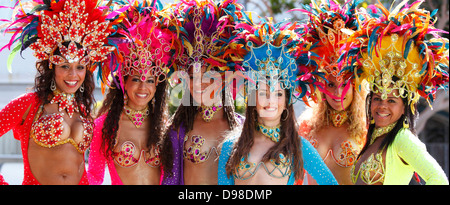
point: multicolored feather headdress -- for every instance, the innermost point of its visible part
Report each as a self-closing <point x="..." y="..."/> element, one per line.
<point x="151" y="46"/>
<point x="325" y="32"/>
<point x="392" y="52"/>
<point x="271" y="53"/>
<point x="77" y="29"/>
<point x="201" y="24"/>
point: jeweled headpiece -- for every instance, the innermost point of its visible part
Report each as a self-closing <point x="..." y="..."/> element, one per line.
<point x="78" y="29"/>
<point x="150" y="47"/>
<point x="391" y="52"/>
<point x="325" y="32"/>
<point x="202" y="24"/>
<point x="270" y="53"/>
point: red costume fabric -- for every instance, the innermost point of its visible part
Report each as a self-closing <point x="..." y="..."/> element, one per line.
<point x="12" y="117"/>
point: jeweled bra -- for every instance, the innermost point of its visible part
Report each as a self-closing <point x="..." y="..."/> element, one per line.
<point x="125" y="157"/>
<point x="46" y="130"/>
<point x="280" y="169"/>
<point x="193" y="152"/>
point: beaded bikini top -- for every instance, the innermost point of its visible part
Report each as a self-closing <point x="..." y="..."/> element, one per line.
<point x="193" y="152"/>
<point x="247" y="170"/>
<point x="47" y="131"/>
<point x="371" y="171"/>
<point x="276" y="169"/>
<point x="126" y="156"/>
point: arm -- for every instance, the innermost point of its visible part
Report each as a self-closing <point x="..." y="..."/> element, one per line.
<point x="412" y="151"/>
<point x="97" y="161"/>
<point x="313" y="163"/>
<point x="225" y="152"/>
<point x="12" y="114"/>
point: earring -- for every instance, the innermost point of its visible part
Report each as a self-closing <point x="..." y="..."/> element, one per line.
<point x="405" y="123"/>
<point x="372" y="121"/>
<point x="53" y="85"/>
<point x="82" y="88"/>
<point x="287" y="115"/>
<point x="125" y="99"/>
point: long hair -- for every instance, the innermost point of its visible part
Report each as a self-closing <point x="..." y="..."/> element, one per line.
<point x="185" y="116"/>
<point x="317" y="118"/>
<point x="390" y="137"/>
<point x="113" y="107"/>
<point x="289" y="144"/>
<point x="43" y="81"/>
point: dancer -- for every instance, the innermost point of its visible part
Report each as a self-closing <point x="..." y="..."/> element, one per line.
<point x="70" y="39"/>
<point x="267" y="148"/>
<point x="335" y="124"/>
<point x="130" y="124"/>
<point x="400" y="64"/>
<point x="198" y="125"/>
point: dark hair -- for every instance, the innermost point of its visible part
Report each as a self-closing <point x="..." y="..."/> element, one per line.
<point x="387" y="141"/>
<point x="113" y="106"/>
<point x="289" y="144"/>
<point x="46" y="75"/>
<point x="185" y="115"/>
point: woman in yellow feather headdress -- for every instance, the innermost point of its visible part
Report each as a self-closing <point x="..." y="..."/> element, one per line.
<point x="391" y="51"/>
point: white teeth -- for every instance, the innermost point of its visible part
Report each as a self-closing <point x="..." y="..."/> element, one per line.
<point x="270" y="109"/>
<point x="71" y="82"/>
<point x="142" y="95"/>
<point x="383" y="115"/>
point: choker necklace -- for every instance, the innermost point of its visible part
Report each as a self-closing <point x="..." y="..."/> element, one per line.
<point x="338" y="117"/>
<point x="65" y="102"/>
<point x="377" y="132"/>
<point x="209" y="111"/>
<point x="136" y="116"/>
<point x="272" y="133"/>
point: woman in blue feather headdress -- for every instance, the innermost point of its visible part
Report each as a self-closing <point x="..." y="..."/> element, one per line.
<point x="267" y="148"/>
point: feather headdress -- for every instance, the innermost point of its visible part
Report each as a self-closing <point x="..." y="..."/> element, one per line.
<point x="325" y="31"/>
<point x="271" y="53"/>
<point x="79" y="30"/>
<point x="150" y="48"/>
<point x="392" y="52"/>
<point x="202" y="24"/>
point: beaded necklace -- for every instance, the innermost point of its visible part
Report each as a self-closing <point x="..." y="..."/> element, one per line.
<point x="338" y="117"/>
<point x="136" y="116"/>
<point x="377" y="132"/>
<point x="65" y="101"/>
<point x="208" y="112"/>
<point x="272" y="133"/>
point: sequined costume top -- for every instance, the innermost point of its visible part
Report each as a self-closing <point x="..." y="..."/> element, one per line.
<point x="406" y="155"/>
<point x="345" y="156"/>
<point x="11" y="118"/>
<point x="128" y="156"/>
<point x="312" y="163"/>
<point x="178" y="138"/>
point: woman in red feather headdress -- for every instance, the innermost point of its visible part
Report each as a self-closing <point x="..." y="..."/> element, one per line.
<point x="70" y="39"/>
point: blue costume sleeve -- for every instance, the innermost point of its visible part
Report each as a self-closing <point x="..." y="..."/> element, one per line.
<point x="223" y="179"/>
<point x="314" y="165"/>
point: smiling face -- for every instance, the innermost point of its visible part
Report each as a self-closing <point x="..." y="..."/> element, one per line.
<point x="388" y="111"/>
<point x="270" y="105"/>
<point x="333" y="88"/>
<point x="204" y="87"/>
<point x="69" y="76"/>
<point x="140" y="92"/>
